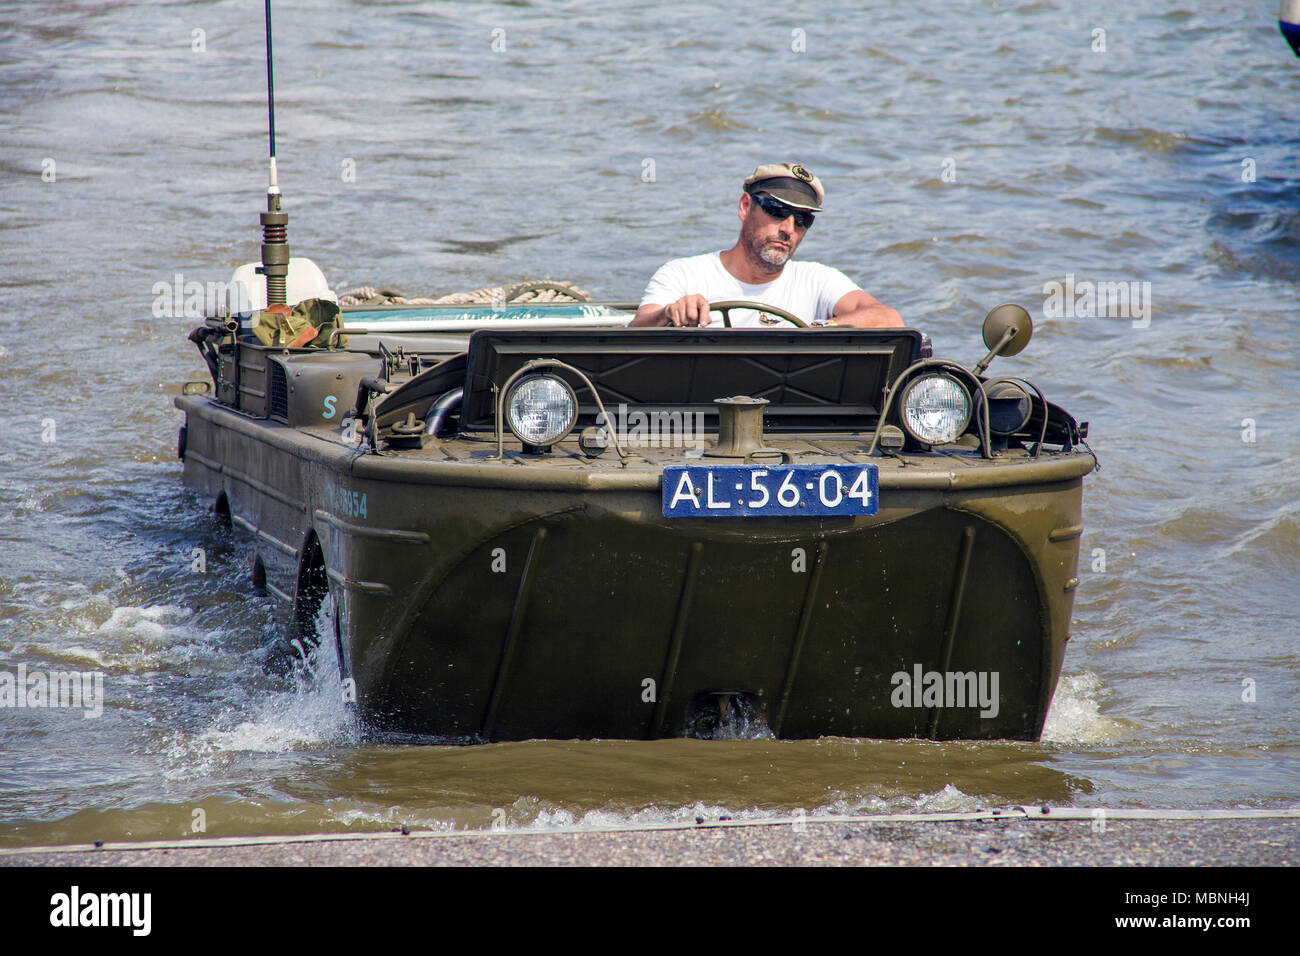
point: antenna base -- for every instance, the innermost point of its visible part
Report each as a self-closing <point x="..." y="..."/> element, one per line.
<point x="275" y="250"/>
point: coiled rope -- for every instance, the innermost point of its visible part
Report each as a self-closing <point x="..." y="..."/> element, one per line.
<point x="530" y="290"/>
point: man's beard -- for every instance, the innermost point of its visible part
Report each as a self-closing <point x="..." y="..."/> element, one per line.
<point x="769" y="254"/>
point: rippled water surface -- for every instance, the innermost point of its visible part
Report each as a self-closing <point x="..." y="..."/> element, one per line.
<point x="1169" y="158"/>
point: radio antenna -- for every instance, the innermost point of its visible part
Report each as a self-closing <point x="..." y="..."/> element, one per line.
<point x="270" y="96"/>
<point x="275" y="223"/>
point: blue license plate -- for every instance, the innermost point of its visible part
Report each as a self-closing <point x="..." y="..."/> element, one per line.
<point x="743" y="491"/>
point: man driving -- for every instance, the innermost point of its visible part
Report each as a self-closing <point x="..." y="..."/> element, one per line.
<point x="776" y="209"/>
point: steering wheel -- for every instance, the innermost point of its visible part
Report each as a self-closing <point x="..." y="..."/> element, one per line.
<point x="726" y="307"/>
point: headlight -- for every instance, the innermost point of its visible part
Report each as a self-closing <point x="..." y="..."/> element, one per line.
<point x="541" y="410"/>
<point x="936" y="409"/>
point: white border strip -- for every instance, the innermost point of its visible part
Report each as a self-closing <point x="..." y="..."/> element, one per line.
<point x="1033" y="814"/>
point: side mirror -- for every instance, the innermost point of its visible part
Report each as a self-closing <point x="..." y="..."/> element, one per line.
<point x="1007" y="330"/>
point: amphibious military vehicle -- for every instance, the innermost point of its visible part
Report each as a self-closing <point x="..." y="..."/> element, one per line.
<point x="530" y="521"/>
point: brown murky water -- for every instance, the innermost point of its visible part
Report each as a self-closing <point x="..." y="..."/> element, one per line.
<point x="969" y="158"/>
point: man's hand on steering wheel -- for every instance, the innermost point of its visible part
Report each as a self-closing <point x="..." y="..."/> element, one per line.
<point x="688" y="310"/>
<point x="693" y="310"/>
<point x="727" y="305"/>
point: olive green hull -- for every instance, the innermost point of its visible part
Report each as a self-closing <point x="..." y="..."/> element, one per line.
<point x="501" y="601"/>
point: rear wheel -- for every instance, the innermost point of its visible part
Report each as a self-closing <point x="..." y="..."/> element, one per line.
<point x="311" y="622"/>
<point x="316" y="633"/>
<point x="313" y="592"/>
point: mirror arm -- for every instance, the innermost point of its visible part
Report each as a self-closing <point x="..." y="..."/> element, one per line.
<point x="1007" y="336"/>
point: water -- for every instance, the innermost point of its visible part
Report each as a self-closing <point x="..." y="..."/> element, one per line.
<point x="474" y="167"/>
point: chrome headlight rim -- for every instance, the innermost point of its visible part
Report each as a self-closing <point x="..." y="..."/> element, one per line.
<point x="547" y="438"/>
<point x="934" y="436"/>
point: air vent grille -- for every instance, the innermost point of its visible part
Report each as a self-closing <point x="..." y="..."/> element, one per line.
<point x="278" y="389"/>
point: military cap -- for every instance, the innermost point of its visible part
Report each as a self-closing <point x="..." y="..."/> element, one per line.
<point x="788" y="182"/>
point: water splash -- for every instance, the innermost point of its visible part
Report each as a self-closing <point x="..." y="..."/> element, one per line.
<point x="734" y="717"/>
<point x="153" y="623"/>
<point x="310" y="712"/>
<point x="534" y="814"/>
<point x="1075" y="716"/>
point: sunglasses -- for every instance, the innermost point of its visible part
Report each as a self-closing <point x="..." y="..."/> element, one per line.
<point x="779" y="210"/>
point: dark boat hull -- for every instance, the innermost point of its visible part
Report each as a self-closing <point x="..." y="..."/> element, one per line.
<point x="494" y="602"/>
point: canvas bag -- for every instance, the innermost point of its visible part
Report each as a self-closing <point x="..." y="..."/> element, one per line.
<point x="278" y="326"/>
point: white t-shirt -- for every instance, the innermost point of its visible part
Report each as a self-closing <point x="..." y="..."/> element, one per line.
<point x="806" y="289"/>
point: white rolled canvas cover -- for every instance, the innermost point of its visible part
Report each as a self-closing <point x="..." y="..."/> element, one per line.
<point x="247" y="289"/>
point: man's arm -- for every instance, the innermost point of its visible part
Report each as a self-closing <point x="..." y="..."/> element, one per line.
<point x="650" y="314"/>
<point x="864" y="311"/>
<point x="664" y="303"/>
<point x="688" y="310"/>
